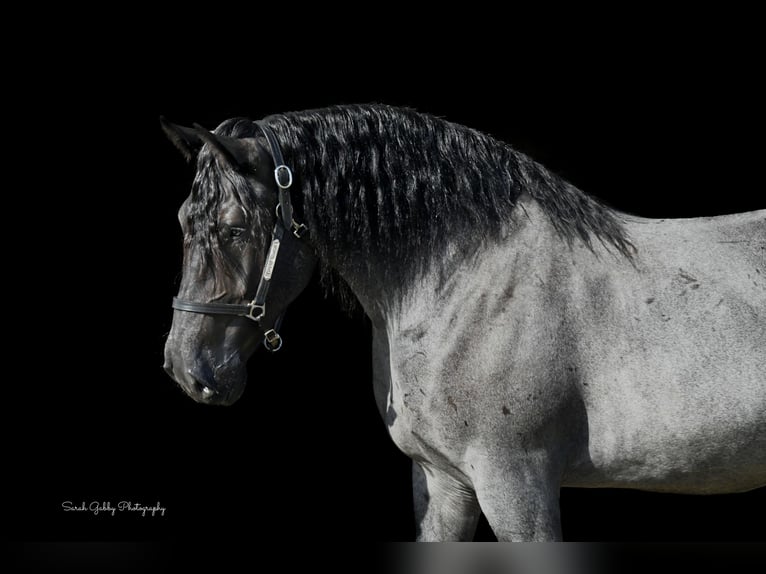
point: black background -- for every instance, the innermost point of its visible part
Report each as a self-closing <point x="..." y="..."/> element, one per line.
<point x="659" y="130"/>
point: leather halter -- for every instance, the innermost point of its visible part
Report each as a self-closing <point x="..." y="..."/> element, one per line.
<point x="255" y="310"/>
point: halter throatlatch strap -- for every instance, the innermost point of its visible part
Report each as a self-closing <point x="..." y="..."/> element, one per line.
<point x="255" y="310"/>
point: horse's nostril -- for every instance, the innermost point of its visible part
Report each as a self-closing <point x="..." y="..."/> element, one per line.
<point x="168" y="367"/>
<point x="201" y="389"/>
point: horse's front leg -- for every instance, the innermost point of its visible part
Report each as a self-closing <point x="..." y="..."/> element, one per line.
<point x="444" y="508"/>
<point x="519" y="495"/>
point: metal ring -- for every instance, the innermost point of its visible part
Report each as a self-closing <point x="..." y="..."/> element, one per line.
<point x="253" y="307"/>
<point x="278" y="170"/>
<point x="267" y="344"/>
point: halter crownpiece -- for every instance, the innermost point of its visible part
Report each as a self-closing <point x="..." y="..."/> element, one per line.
<point x="255" y="310"/>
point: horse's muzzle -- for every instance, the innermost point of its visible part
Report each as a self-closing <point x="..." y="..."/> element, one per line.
<point x="200" y="385"/>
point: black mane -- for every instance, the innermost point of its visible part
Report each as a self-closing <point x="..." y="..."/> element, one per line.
<point x="388" y="184"/>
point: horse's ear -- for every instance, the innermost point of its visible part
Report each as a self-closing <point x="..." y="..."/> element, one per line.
<point x="237" y="153"/>
<point x="187" y="140"/>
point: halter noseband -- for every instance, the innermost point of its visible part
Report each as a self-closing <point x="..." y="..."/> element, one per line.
<point x="255" y="310"/>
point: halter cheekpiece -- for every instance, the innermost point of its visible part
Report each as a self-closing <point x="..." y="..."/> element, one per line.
<point x="255" y="310"/>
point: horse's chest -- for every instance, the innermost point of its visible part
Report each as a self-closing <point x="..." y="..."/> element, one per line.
<point x="427" y="417"/>
<point x="419" y="433"/>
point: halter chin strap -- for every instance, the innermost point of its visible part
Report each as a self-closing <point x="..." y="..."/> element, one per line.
<point x="255" y="310"/>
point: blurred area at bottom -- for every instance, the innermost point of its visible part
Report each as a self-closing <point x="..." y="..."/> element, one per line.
<point x="220" y="554"/>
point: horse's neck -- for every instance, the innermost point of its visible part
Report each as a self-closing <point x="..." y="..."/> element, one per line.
<point x="526" y="249"/>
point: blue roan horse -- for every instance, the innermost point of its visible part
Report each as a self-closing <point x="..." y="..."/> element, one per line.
<point x="525" y="336"/>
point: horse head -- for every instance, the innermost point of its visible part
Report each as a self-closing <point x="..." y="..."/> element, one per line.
<point x="244" y="257"/>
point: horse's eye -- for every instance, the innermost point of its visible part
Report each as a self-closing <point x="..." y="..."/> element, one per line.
<point x="236" y="232"/>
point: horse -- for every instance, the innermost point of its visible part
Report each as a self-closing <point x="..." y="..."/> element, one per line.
<point x="525" y="336"/>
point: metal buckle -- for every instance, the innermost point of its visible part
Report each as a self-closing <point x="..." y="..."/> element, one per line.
<point x="272" y="341"/>
<point x="299" y="229"/>
<point x="282" y="169"/>
<point x="253" y="307"/>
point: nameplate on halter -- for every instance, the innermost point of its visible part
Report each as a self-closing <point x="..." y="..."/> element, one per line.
<point x="271" y="259"/>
